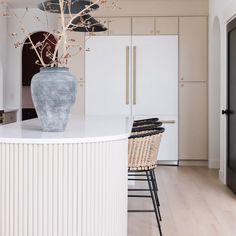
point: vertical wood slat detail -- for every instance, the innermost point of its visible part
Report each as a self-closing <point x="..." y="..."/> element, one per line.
<point x="63" y="189"/>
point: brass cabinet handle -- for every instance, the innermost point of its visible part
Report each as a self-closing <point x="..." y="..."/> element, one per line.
<point x="127" y="75"/>
<point x="167" y="121"/>
<point x="134" y="75"/>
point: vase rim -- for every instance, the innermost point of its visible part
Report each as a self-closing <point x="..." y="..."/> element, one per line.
<point x="52" y="69"/>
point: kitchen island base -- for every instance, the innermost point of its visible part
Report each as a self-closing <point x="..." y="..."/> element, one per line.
<point x="63" y="189"/>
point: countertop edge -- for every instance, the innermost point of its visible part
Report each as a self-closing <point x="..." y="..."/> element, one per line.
<point x="65" y="140"/>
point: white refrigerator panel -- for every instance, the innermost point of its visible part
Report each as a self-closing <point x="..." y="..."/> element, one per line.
<point x="155" y="75"/>
<point x="108" y="75"/>
<point x="169" y="144"/>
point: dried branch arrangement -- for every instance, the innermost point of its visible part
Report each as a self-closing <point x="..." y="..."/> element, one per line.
<point x="73" y="16"/>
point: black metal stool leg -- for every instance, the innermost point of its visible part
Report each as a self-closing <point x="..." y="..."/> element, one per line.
<point x="154" y="202"/>
<point x="155" y="179"/>
<point x="154" y="185"/>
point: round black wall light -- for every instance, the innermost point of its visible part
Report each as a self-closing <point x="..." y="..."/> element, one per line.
<point x="86" y="23"/>
<point x="73" y="6"/>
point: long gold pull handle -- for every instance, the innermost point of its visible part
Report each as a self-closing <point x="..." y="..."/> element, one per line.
<point x="127" y="75"/>
<point x="167" y="121"/>
<point x="134" y="74"/>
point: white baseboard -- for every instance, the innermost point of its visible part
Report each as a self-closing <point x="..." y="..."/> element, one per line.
<point x="214" y="164"/>
<point x="221" y="177"/>
<point x="192" y="163"/>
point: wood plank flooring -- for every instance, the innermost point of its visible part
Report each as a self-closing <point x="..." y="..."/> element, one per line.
<point x="193" y="203"/>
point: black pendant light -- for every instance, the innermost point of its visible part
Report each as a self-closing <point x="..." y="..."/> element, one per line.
<point x="87" y="23"/>
<point x="71" y="6"/>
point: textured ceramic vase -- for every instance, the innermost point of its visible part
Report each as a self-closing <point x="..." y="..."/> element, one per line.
<point x="54" y="92"/>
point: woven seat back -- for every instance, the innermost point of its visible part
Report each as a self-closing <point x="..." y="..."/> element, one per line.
<point x="143" y="152"/>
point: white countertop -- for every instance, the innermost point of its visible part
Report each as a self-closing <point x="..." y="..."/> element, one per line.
<point x="79" y="130"/>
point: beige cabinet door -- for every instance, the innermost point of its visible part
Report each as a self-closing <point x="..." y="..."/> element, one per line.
<point x="143" y="25"/>
<point x="119" y="26"/>
<point x="193" y="121"/>
<point x="166" y="25"/>
<point x="193" y="48"/>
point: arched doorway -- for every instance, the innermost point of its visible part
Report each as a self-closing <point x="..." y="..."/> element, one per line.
<point x="30" y="68"/>
<point x="214" y="96"/>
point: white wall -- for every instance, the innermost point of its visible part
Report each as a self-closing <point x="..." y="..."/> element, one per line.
<point x="14" y="65"/>
<point x="214" y="94"/>
<point x="223" y="10"/>
<point x="3" y="35"/>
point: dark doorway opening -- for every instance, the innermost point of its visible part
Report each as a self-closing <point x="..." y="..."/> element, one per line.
<point x="30" y="68"/>
<point x="231" y="109"/>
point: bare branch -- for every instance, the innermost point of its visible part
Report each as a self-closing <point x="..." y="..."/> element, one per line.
<point x="47" y="47"/>
<point x="29" y="37"/>
<point x="81" y="12"/>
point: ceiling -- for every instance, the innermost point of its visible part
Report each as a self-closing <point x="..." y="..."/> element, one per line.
<point x="33" y="3"/>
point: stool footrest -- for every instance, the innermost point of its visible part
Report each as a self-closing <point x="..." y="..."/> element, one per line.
<point x="133" y="211"/>
<point x="138" y="179"/>
<point x="141" y="196"/>
<point x="141" y="190"/>
<point x="138" y="175"/>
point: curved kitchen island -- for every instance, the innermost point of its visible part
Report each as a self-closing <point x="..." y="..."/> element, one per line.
<point x="64" y="184"/>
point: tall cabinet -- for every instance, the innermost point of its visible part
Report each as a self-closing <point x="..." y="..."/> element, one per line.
<point x="193" y="128"/>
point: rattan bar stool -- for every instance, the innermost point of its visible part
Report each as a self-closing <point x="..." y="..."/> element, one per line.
<point x="141" y="130"/>
<point x="143" y="151"/>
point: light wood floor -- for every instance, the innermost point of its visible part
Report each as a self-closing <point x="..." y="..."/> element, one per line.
<point x="193" y="203"/>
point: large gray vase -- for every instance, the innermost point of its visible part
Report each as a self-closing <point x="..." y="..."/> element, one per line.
<point x="54" y="92"/>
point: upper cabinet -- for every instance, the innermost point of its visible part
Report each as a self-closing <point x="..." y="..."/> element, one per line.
<point x="155" y="25"/>
<point x="143" y="25"/>
<point x="166" y="25"/>
<point x="119" y="26"/>
<point x="193" y="48"/>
